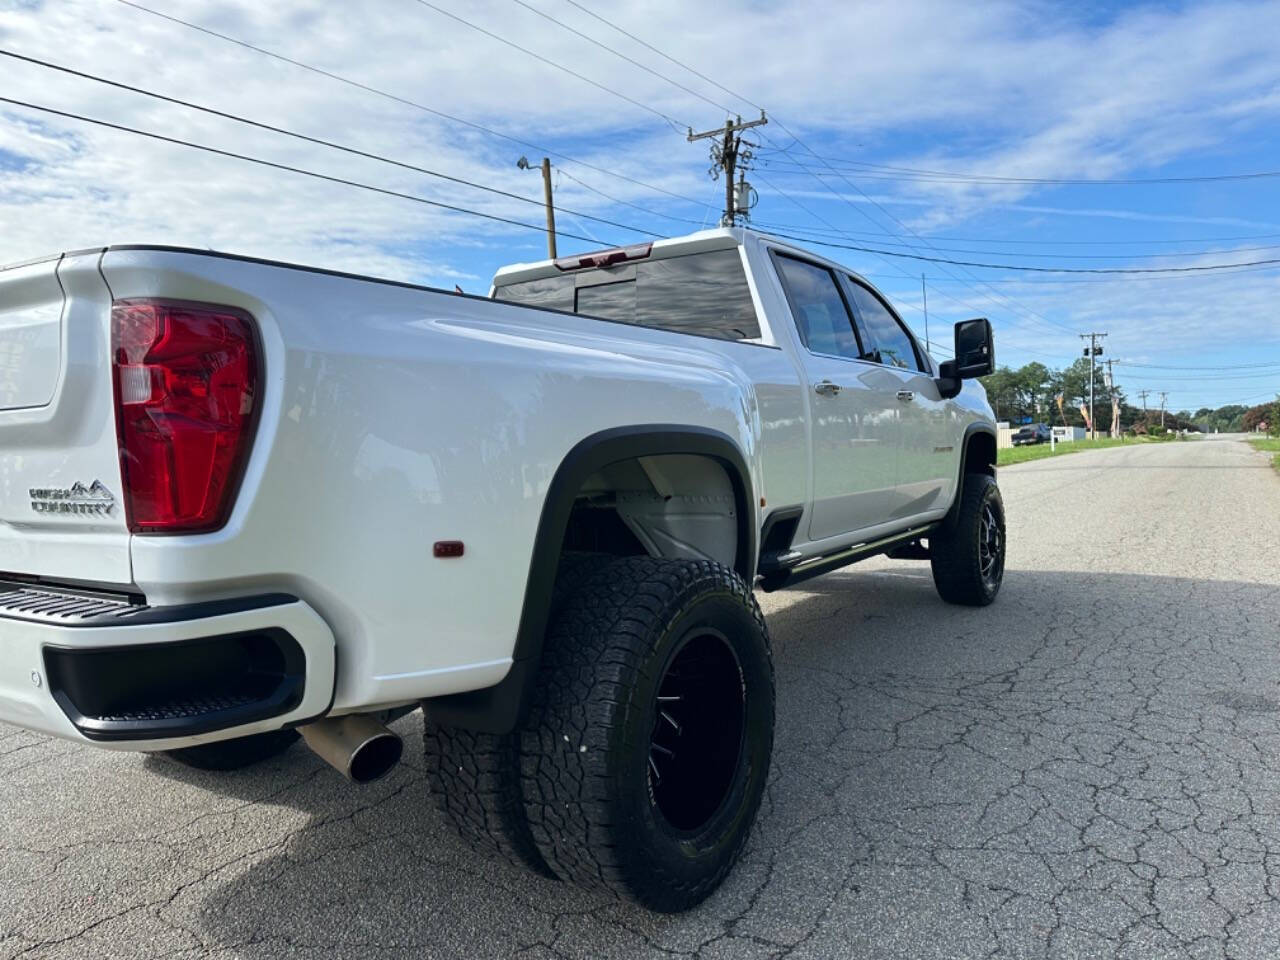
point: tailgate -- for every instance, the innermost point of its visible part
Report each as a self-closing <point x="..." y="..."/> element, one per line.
<point x="61" y="517"/>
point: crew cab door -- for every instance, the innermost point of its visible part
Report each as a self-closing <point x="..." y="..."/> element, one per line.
<point x="854" y="417"/>
<point x="928" y="454"/>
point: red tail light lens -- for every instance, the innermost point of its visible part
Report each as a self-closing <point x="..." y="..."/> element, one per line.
<point x="185" y="383"/>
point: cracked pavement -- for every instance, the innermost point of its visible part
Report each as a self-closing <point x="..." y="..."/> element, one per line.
<point x="1088" y="768"/>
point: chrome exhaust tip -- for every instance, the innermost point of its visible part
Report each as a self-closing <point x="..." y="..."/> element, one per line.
<point x="357" y="746"/>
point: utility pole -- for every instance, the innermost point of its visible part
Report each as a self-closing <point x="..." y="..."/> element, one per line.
<point x="924" y="293"/>
<point x="1143" y="395"/>
<point x="726" y="154"/>
<point x="1163" y="397"/>
<point x="1115" y="401"/>
<point x="523" y="164"/>
<point x="1091" y="351"/>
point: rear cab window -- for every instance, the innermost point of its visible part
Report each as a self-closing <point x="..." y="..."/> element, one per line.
<point x="705" y="294"/>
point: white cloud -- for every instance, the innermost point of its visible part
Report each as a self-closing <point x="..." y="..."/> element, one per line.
<point x="1014" y="89"/>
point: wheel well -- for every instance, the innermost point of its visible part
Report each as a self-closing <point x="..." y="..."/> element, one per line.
<point x="685" y="456"/>
<point x="980" y="454"/>
<point x="678" y="506"/>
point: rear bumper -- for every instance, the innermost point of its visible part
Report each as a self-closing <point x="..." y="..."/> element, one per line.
<point x="132" y="677"/>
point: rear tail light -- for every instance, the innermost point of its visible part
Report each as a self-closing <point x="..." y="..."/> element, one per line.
<point x="186" y="378"/>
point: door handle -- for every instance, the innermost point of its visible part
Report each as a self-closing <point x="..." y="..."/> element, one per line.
<point x="825" y="388"/>
<point x="906" y="395"/>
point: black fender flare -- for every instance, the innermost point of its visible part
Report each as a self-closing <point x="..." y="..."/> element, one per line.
<point x="499" y="708"/>
<point x="970" y="432"/>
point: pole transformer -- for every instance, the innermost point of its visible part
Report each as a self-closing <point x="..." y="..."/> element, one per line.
<point x="726" y="155"/>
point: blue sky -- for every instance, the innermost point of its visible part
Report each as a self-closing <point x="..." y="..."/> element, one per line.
<point x="860" y="95"/>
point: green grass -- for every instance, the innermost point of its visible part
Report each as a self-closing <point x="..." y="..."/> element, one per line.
<point x="1041" y="450"/>
<point x="1268" y="445"/>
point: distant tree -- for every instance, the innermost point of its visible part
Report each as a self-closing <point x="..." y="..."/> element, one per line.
<point x="1255" y="416"/>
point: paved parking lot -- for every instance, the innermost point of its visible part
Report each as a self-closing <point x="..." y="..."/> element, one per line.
<point x="1090" y="768"/>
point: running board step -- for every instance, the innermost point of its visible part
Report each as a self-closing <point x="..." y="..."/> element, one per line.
<point x="771" y="563"/>
<point x="817" y="566"/>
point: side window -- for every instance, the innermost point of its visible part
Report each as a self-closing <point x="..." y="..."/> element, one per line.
<point x="819" y="308"/>
<point x="886" y="333"/>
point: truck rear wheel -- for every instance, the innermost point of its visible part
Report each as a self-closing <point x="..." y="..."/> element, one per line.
<point x="646" y="751"/>
<point x="474" y="777"/>
<point x="235" y="754"/>
<point x="475" y="781"/>
<point x="967" y="555"/>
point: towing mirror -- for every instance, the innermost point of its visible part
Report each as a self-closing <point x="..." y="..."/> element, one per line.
<point x="975" y="356"/>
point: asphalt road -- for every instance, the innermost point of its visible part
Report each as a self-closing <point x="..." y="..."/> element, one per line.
<point x="1089" y="768"/>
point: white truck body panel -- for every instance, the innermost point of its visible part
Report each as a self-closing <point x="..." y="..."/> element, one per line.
<point x="394" y="416"/>
<point x="67" y="438"/>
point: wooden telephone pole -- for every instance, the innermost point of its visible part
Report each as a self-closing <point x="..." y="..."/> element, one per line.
<point x="523" y="164"/>
<point x="1115" y="400"/>
<point x="1091" y="351"/>
<point x="726" y="154"/>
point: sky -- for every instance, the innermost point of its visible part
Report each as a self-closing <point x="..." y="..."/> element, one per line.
<point x="860" y="96"/>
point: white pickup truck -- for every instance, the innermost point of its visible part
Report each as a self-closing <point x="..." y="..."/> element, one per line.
<point x="242" y="500"/>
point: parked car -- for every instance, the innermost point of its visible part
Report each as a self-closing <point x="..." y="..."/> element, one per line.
<point x="1032" y="433"/>
<point x="244" y="500"/>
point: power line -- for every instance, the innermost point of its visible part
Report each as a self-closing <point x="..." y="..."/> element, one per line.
<point x="665" y="56"/>
<point x="617" y="53"/>
<point x="554" y="64"/>
<point x="900" y="272"/>
<point x="1160" y="366"/>
<point x="1162" y="378"/>
<point x="354" y="151"/>
<point x="403" y="101"/>
<point x="1009" y="303"/>
<point x="1044" y="243"/>
<point x="732" y="94"/>
<point x="882" y="171"/>
<point x="217" y="151"/>
<point x="759" y="107"/>
<point x="1079" y="256"/>
<point x="1040" y="281"/>
<point x="1208" y="268"/>
<point x="627" y="203"/>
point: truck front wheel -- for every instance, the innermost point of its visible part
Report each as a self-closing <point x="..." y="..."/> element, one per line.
<point x="645" y="755"/>
<point x="967" y="554"/>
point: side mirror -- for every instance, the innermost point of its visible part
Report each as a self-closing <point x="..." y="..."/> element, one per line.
<point x="975" y="356"/>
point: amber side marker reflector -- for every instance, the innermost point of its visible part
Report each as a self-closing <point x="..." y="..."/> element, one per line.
<point x="448" y="548"/>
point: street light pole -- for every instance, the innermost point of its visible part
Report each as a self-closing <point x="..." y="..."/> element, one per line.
<point x="523" y="164"/>
<point x="551" y="210"/>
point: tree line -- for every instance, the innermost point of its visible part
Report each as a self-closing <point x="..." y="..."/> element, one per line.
<point x="1061" y="397"/>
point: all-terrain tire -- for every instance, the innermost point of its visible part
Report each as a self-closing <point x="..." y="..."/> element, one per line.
<point x="474" y="777"/>
<point x="645" y="755"/>
<point x="474" y="780"/>
<point x="968" y="553"/>
<point x="235" y="754"/>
